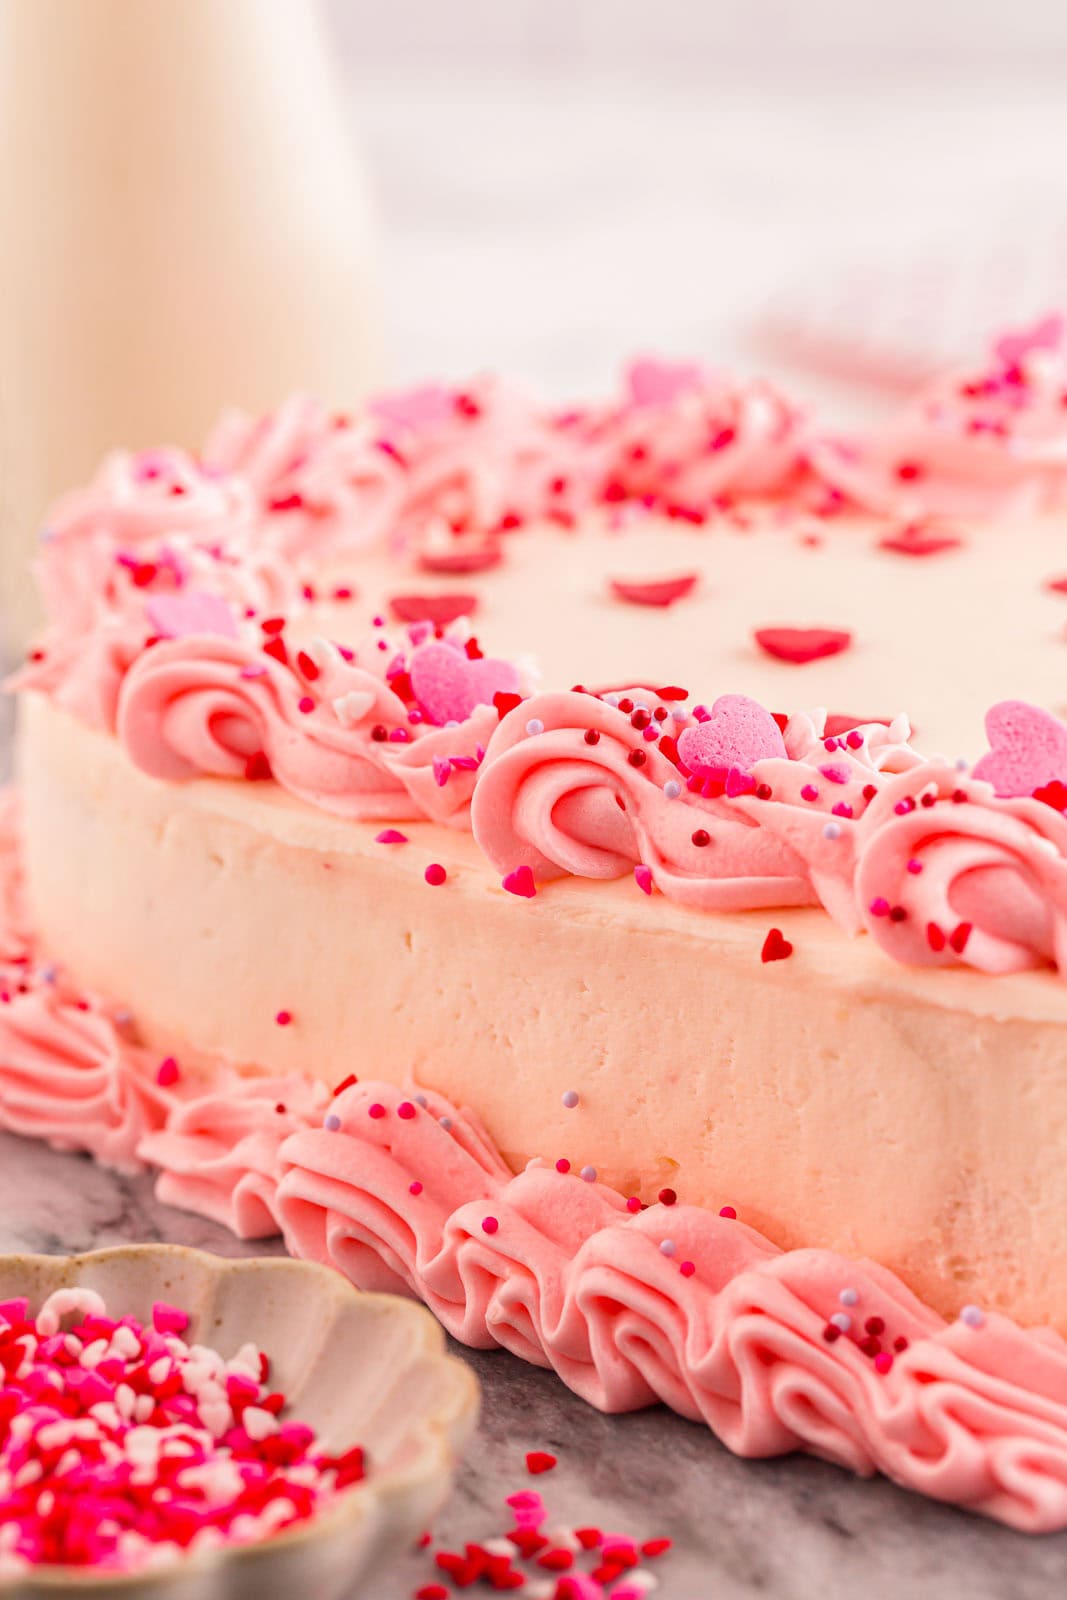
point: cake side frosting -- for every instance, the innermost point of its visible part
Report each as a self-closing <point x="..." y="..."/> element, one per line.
<point x="775" y="1351"/>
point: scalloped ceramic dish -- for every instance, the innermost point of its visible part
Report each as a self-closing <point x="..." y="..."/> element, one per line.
<point x="364" y="1369"/>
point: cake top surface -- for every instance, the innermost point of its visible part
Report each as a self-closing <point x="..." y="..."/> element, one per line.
<point x="679" y="632"/>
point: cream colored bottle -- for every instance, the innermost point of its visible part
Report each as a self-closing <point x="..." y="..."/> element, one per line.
<point x="182" y="226"/>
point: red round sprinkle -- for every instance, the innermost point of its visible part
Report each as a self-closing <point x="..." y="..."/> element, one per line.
<point x="727" y="1211"/>
<point x="489" y="1224"/>
<point x="591" y="736"/>
<point x="415" y="1188"/>
<point x="633" y="1204"/>
<point x="376" y="1110"/>
<point x="283" y="1018"/>
<point x="435" y="874"/>
<point x="563" y="1165"/>
<point x="405" y="1110"/>
<point x="701" y="838"/>
<point x="687" y="1268"/>
<point x="667" y="1197"/>
<point x="636" y="758"/>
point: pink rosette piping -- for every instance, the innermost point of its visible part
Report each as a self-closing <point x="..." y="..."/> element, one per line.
<point x="209" y="706"/>
<point x="555" y="803"/>
<point x="568" y="1278"/>
<point x="949" y="875"/>
<point x="985" y="443"/>
<point x="218" y="1153"/>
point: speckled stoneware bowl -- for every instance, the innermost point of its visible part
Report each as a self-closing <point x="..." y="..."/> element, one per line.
<point x="363" y="1369"/>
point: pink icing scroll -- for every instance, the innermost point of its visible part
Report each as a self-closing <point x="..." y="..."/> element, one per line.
<point x="218" y="1153"/>
<point x="569" y="1278"/>
<point x="200" y="706"/>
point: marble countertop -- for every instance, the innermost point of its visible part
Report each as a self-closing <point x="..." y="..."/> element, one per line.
<point x="793" y="1529"/>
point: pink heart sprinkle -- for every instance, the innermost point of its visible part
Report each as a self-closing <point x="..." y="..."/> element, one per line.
<point x="643" y="879"/>
<point x="1029" y="748"/>
<point x="520" y="881"/>
<point x="799" y="645"/>
<point x="181" y="616"/>
<point x="448" y="685"/>
<point x="653" y="591"/>
<point x="736" y="733"/>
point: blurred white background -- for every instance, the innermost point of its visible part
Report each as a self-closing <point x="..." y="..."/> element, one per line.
<point x="560" y="182"/>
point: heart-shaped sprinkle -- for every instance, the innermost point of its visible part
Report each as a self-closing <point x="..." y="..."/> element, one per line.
<point x="193" y="612"/>
<point x="520" y="881"/>
<point x="440" y="609"/>
<point x="799" y="645"/>
<point x="538" y="1461"/>
<point x="643" y="878"/>
<point x="448" y="685"/>
<point x="776" y="947"/>
<point x="736" y="733"/>
<point x="916" y="540"/>
<point x="465" y="558"/>
<point x="1029" y="748"/>
<point x="653" y="591"/>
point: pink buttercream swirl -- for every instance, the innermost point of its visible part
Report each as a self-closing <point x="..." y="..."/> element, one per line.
<point x="213" y="707"/>
<point x="570" y="799"/>
<point x="974" y="443"/>
<point x="948" y="874"/>
<point x="569" y="1278"/>
<point x="684" y="440"/>
<point x="218" y="1153"/>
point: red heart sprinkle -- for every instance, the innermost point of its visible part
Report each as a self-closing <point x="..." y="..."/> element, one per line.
<point x="521" y="882"/>
<point x="538" y="1461"/>
<point x="440" y="609"/>
<point x="776" y="947"/>
<point x="915" y="540"/>
<point x="505" y="703"/>
<point x="800" y="645"/>
<point x="476" y="558"/>
<point x="653" y="591"/>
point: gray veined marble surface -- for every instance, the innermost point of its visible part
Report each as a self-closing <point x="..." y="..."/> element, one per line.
<point x="793" y="1529"/>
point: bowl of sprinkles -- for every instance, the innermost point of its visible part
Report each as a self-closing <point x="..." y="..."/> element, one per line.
<point x="176" y="1424"/>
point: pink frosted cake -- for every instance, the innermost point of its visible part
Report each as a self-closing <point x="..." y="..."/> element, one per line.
<point x="486" y="844"/>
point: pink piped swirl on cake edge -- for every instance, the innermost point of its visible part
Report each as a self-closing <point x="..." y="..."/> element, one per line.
<point x="566" y="1277"/>
<point x="973" y="443"/>
<point x="218" y="1154"/>
<point x="948" y="874"/>
<point x="783" y="833"/>
<point x="199" y="707"/>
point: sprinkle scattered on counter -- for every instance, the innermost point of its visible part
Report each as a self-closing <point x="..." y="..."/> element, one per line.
<point x="546" y="1562"/>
